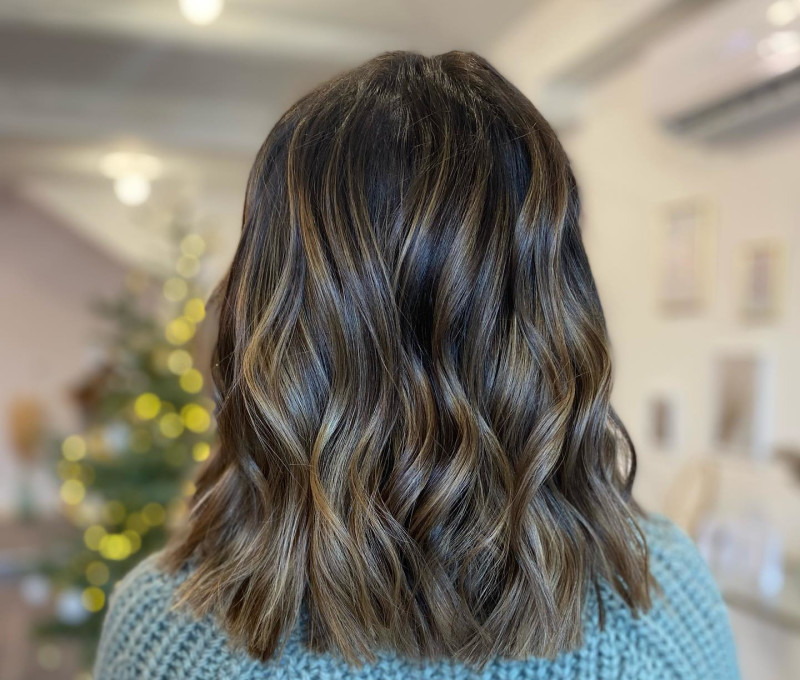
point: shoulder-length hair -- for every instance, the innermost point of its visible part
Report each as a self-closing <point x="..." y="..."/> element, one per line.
<point x="416" y="445"/>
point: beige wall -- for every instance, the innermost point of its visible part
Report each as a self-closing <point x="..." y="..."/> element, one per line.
<point x="628" y="167"/>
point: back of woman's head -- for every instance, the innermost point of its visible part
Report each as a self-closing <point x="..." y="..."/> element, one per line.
<point x="413" y="375"/>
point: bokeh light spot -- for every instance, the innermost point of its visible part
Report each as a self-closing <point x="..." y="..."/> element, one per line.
<point x="73" y="447"/>
<point x="72" y="491"/>
<point x="147" y="406"/>
<point x="192" y="381"/>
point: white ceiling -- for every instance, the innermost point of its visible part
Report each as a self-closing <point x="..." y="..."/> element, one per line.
<point x="80" y="78"/>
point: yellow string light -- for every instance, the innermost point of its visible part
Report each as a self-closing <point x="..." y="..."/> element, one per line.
<point x="97" y="573"/>
<point x="93" y="599"/>
<point x="72" y="491"/>
<point x="193" y="244"/>
<point x="134" y="538"/>
<point x="73" y="447"/>
<point x="179" y="361"/>
<point x="201" y="451"/>
<point x="175" y="289"/>
<point x="179" y="331"/>
<point x="196" y="418"/>
<point x="147" y="406"/>
<point x="195" y="310"/>
<point x="192" y="381"/>
<point x="187" y="266"/>
<point x="153" y="514"/>
<point x="93" y="535"/>
<point x="171" y="425"/>
<point x="115" y="546"/>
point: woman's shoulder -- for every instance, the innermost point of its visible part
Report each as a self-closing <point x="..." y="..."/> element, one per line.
<point x="145" y="636"/>
<point x="685" y="634"/>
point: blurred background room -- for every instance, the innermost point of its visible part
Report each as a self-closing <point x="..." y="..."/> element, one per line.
<point x="127" y="128"/>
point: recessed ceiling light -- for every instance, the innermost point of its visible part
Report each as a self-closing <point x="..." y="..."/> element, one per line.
<point x="782" y="12"/>
<point x="132" y="189"/>
<point x="201" y="12"/>
<point x="132" y="174"/>
<point x="779" y="44"/>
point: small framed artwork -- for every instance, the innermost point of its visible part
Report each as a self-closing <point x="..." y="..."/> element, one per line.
<point x="762" y="273"/>
<point x="662" y="422"/>
<point x="741" y="404"/>
<point x="686" y="255"/>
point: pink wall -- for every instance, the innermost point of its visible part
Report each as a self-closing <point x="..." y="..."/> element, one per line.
<point x="48" y="277"/>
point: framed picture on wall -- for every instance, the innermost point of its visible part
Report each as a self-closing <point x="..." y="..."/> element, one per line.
<point x="662" y="422"/>
<point x="741" y="394"/>
<point x="686" y="256"/>
<point x="762" y="268"/>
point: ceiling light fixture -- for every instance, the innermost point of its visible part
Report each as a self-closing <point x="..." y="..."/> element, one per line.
<point x="132" y="189"/>
<point x="132" y="174"/>
<point x="782" y="12"/>
<point x="201" y="12"/>
<point x="779" y="44"/>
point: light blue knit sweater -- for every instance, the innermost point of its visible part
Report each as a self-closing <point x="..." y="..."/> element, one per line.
<point x="684" y="636"/>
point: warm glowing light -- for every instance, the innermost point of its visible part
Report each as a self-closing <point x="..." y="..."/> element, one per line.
<point x="171" y="425"/>
<point x="781" y="12"/>
<point x="179" y="361"/>
<point x="132" y="174"/>
<point x="189" y="488"/>
<point x="154" y="514"/>
<point x="192" y="381"/>
<point x="201" y="451"/>
<point x="72" y="491"/>
<point x="93" y="535"/>
<point x="193" y="244"/>
<point x="93" y="599"/>
<point x="147" y="406"/>
<point x="97" y="573"/>
<point x="73" y="447"/>
<point x="132" y="189"/>
<point x="201" y="12"/>
<point x="187" y="265"/>
<point x="175" y="289"/>
<point x="780" y="43"/>
<point x="134" y="539"/>
<point x="195" y="310"/>
<point x="115" y="547"/>
<point x="196" y="418"/>
<point x="179" y="331"/>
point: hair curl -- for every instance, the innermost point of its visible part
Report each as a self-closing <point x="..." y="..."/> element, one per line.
<point x="413" y="375"/>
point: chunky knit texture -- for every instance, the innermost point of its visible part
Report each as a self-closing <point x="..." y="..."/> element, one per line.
<point x="685" y="635"/>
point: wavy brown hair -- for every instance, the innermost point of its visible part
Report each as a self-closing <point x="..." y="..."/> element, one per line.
<point x="416" y="445"/>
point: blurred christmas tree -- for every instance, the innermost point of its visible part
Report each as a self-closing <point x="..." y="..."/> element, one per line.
<point x="125" y="476"/>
